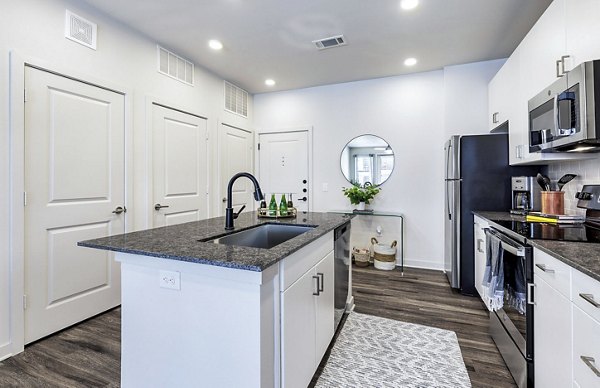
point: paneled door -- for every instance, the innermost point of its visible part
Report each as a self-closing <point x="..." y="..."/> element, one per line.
<point x="235" y="155"/>
<point x="179" y="167"/>
<point x="75" y="190"/>
<point x="284" y="166"/>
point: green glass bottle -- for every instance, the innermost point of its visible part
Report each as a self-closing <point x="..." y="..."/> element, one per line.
<point x="273" y="206"/>
<point x="283" y="208"/>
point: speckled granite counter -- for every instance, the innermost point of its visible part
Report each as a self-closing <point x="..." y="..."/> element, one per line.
<point x="180" y="242"/>
<point x="584" y="257"/>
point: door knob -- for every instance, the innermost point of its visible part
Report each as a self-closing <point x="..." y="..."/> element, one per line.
<point x="304" y="199"/>
<point x="224" y="199"/>
<point x="119" y="210"/>
<point x="158" y="206"/>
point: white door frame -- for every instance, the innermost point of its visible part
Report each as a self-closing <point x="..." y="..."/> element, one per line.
<point x="309" y="130"/>
<point x="146" y="210"/>
<point x="220" y="184"/>
<point x="17" y="177"/>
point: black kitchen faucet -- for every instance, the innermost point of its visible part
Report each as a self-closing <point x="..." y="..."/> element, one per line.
<point x="229" y="214"/>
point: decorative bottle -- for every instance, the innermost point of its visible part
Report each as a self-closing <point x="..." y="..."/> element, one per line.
<point x="273" y="206"/>
<point x="283" y="208"/>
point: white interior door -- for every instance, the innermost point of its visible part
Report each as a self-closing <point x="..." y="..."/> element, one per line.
<point x="74" y="181"/>
<point x="284" y="166"/>
<point x="236" y="155"/>
<point x="179" y="167"/>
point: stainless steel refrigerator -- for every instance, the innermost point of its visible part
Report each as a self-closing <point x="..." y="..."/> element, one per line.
<point x="477" y="177"/>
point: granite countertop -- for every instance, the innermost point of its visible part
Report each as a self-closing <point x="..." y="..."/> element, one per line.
<point x="180" y="242"/>
<point x="583" y="256"/>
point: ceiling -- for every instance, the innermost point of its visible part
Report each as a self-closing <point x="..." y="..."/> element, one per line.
<point x="273" y="38"/>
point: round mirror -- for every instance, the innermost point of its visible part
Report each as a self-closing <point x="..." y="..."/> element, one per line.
<point x="367" y="159"/>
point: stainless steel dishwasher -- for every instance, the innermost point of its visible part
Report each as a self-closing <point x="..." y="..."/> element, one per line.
<point x="341" y="255"/>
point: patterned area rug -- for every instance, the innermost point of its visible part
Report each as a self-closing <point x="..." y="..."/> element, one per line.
<point x="379" y="352"/>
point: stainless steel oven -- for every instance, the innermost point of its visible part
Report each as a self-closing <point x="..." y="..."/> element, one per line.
<point x="512" y="327"/>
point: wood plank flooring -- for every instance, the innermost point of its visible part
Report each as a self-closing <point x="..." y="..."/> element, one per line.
<point x="88" y="354"/>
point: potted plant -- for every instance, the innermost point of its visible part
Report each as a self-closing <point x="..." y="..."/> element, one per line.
<point x="361" y="195"/>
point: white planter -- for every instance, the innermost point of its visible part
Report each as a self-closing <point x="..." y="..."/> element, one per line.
<point x="361" y="206"/>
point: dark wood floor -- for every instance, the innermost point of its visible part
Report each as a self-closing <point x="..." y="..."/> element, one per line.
<point x="88" y="354"/>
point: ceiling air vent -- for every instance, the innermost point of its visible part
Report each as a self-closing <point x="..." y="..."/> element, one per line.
<point x="174" y="66"/>
<point x="236" y="100"/>
<point x="80" y="30"/>
<point x="333" y="41"/>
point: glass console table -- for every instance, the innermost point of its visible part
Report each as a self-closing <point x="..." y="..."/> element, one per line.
<point x="399" y="216"/>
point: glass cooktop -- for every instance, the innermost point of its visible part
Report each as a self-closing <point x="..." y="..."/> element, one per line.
<point x="561" y="232"/>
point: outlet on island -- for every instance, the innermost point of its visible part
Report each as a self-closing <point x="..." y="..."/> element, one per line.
<point x="170" y="279"/>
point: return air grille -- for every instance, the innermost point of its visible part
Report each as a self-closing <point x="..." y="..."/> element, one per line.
<point x="174" y="66"/>
<point x="236" y="100"/>
<point x="80" y="30"/>
<point x="333" y="41"/>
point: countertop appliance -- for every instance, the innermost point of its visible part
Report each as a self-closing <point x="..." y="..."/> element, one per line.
<point x="511" y="329"/>
<point x="526" y="194"/>
<point x="563" y="117"/>
<point x="341" y="256"/>
<point x="477" y="177"/>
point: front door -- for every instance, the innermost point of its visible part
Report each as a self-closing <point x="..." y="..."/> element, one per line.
<point x="179" y="167"/>
<point x="75" y="184"/>
<point x="284" y="166"/>
<point x="235" y="154"/>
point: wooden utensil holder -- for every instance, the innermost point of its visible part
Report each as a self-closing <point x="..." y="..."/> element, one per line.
<point x="553" y="202"/>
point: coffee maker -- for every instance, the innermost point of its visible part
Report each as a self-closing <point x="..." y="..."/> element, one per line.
<point x="526" y="195"/>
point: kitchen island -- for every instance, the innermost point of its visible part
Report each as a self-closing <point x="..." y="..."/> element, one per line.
<point x="197" y="313"/>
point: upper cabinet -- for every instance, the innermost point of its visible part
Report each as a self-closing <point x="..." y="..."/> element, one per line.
<point x="565" y="35"/>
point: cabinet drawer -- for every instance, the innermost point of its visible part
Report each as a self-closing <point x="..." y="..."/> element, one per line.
<point x="586" y="294"/>
<point x="586" y="344"/>
<point x="553" y="271"/>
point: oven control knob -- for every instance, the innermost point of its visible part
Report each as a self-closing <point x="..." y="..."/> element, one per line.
<point x="586" y="196"/>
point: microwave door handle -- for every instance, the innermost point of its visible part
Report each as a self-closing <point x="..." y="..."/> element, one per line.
<point x="556" y="116"/>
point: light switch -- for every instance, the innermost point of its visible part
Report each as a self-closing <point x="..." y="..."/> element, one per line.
<point x="325" y="187"/>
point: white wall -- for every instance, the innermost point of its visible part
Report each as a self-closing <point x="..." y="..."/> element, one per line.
<point x="410" y="113"/>
<point x="34" y="29"/>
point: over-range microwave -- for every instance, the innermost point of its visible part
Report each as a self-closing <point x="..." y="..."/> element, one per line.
<point x="563" y="117"/>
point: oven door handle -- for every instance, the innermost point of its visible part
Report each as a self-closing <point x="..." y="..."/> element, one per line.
<point x="508" y="244"/>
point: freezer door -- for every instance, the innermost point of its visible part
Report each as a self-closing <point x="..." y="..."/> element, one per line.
<point x="452" y="152"/>
<point x="452" y="232"/>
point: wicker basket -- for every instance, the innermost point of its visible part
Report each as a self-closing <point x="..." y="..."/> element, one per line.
<point x="361" y="256"/>
<point x="384" y="257"/>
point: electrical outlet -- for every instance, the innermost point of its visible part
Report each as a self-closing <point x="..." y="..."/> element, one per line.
<point x="170" y="279"/>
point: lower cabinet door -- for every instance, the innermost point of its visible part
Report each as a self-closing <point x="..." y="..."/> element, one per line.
<point x="551" y="336"/>
<point x="586" y="350"/>
<point x="324" y="306"/>
<point x="298" y="332"/>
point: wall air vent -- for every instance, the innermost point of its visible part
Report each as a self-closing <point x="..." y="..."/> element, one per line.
<point x="333" y="41"/>
<point x="174" y="66"/>
<point x="236" y="100"/>
<point x="80" y="30"/>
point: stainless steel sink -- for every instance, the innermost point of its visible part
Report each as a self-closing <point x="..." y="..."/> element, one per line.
<point x="265" y="236"/>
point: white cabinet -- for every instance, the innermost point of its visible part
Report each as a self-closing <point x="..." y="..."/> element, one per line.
<point x="479" y="247"/>
<point x="551" y="336"/>
<point x="307" y="325"/>
<point x="582" y="30"/>
<point x="586" y="330"/>
<point x="500" y="88"/>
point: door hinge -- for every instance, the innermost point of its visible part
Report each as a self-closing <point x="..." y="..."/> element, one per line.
<point x="259" y="146"/>
<point x="24" y="198"/>
<point x="24" y="302"/>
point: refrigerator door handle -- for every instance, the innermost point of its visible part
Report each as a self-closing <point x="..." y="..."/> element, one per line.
<point x="448" y="158"/>
<point x="448" y="201"/>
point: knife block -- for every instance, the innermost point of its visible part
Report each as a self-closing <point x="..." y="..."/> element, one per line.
<point x="553" y="202"/>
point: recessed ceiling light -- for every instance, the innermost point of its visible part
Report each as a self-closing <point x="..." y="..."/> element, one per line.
<point x="215" y="44"/>
<point x="270" y="82"/>
<point x="410" y="61"/>
<point x="409" y="4"/>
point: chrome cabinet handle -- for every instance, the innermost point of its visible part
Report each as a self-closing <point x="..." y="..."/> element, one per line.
<point x="495" y="117"/>
<point x="479" y="241"/>
<point x="318" y="292"/>
<point x="558" y="74"/>
<point x="530" y="288"/>
<point x="590" y="298"/>
<point x="562" y="60"/>
<point x="158" y="206"/>
<point x="589" y="361"/>
<point x="321" y="282"/>
<point x="544" y="268"/>
<point x="119" y="210"/>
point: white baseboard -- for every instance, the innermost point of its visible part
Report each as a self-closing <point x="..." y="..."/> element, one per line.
<point x="424" y="264"/>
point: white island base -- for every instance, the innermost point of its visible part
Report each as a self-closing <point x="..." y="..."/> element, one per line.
<point x="221" y="327"/>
